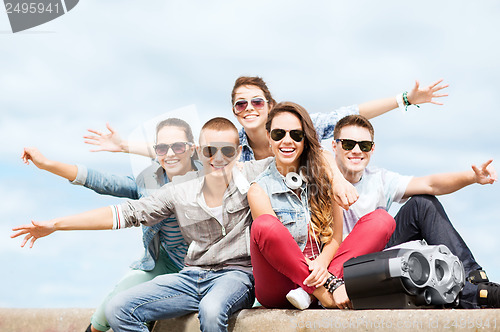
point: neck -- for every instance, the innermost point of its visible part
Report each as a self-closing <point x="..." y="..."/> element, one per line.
<point x="284" y="169"/>
<point x="352" y="177"/>
<point x="215" y="186"/>
<point x="257" y="139"/>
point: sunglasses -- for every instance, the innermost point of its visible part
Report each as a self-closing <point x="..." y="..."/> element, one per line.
<point x="241" y="104"/>
<point x="296" y="134"/>
<point x="209" y="151"/>
<point x="349" y="144"/>
<point x="177" y="147"/>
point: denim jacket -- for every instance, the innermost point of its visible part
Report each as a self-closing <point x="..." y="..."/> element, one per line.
<point x="147" y="182"/>
<point x="213" y="243"/>
<point x="291" y="210"/>
<point x="324" y="123"/>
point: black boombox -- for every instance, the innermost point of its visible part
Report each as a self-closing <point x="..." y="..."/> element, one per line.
<point x="410" y="275"/>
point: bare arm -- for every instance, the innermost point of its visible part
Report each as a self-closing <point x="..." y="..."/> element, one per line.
<point x="259" y="201"/>
<point x="66" y="171"/>
<point x="344" y="192"/>
<point x="97" y="219"/>
<point x="112" y="142"/>
<point x="446" y="183"/>
<point x="416" y="96"/>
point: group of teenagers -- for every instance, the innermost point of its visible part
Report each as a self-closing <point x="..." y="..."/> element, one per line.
<point x="261" y="213"/>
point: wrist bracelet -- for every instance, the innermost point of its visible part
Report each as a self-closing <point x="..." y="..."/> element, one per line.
<point x="406" y="101"/>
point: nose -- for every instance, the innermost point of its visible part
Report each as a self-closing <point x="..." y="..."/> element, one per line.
<point x="218" y="156"/>
<point x="170" y="152"/>
<point x="357" y="149"/>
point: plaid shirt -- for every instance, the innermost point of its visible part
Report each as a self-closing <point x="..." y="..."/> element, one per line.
<point x="212" y="243"/>
<point x="323" y="122"/>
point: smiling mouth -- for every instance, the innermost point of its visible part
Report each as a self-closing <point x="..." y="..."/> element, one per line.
<point x="218" y="166"/>
<point x="172" y="162"/>
<point x="250" y="116"/>
<point x="355" y="160"/>
<point x="287" y="151"/>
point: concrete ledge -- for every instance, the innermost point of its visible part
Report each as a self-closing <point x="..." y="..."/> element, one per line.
<point x="253" y="320"/>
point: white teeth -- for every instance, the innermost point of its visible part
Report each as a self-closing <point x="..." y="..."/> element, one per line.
<point x="171" y="161"/>
<point x="287" y="150"/>
<point x="218" y="166"/>
<point x="250" y="116"/>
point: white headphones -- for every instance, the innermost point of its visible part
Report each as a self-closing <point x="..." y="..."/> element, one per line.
<point x="294" y="180"/>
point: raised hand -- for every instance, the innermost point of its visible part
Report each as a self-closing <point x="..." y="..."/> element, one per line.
<point x="485" y="174"/>
<point x="111" y="142"/>
<point x="35" y="156"/>
<point x="427" y="94"/>
<point x="33" y="231"/>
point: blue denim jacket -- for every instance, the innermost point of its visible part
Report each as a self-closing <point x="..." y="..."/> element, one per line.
<point x="147" y="182"/>
<point x="324" y="123"/>
<point x="291" y="210"/>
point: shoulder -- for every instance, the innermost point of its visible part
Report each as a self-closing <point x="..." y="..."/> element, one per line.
<point x="253" y="168"/>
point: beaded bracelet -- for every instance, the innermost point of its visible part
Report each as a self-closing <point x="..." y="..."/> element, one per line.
<point x="405" y="100"/>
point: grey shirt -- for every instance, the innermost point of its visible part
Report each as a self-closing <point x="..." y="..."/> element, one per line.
<point x="212" y="243"/>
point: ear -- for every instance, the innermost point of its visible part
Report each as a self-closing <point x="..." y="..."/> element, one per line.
<point x="334" y="145"/>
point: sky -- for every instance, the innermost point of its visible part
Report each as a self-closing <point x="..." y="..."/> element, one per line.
<point x="128" y="63"/>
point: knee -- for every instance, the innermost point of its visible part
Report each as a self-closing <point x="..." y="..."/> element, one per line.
<point x="383" y="223"/>
<point x="261" y="226"/>
<point x="212" y="316"/>
<point x="115" y="310"/>
<point x="424" y="201"/>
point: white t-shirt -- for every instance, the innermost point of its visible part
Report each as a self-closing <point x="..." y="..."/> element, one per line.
<point x="378" y="188"/>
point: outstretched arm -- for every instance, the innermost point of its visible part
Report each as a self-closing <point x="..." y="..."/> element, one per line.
<point x="446" y="183"/>
<point x="97" y="219"/>
<point x="112" y="142"/>
<point x="66" y="171"/>
<point x="416" y="96"/>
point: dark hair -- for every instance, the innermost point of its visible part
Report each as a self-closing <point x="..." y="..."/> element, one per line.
<point x="221" y="124"/>
<point x="353" y="120"/>
<point x="175" y="122"/>
<point x="255" y="81"/>
<point x="313" y="165"/>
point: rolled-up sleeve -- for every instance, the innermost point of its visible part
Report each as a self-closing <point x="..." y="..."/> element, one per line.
<point x="81" y="175"/>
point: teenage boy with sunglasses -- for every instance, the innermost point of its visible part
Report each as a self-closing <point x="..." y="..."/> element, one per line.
<point x="214" y="217"/>
<point x="422" y="216"/>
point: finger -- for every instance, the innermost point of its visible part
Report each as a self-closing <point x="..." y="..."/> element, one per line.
<point x="476" y="170"/>
<point x="26" y="238"/>
<point x="32" y="242"/>
<point x="97" y="132"/>
<point x="91" y="142"/>
<point x="96" y="138"/>
<point x="439" y="95"/>
<point x="349" y="304"/>
<point x="436" y="103"/>
<point x="483" y="166"/>
<point x="440" y="87"/>
<point x="109" y="128"/>
<point x="435" y="83"/>
<point x="417" y="85"/>
<point x="19" y="234"/>
<point x="342" y="201"/>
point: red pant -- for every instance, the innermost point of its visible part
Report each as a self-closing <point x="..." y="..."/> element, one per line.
<point x="279" y="265"/>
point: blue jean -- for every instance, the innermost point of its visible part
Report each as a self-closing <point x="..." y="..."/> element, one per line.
<point x="423" y="217"/>
<point x="215" y="295"/>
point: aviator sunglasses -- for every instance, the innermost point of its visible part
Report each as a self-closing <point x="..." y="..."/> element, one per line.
<point x="177" y="147"/>
<point x="209" y="151"/>
<point x="349" y="144"/>
<point x="241" y="104"/>
<point x="296" y="134"/>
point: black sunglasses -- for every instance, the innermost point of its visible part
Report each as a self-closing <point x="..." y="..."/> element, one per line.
<point x="177" y="147"/>
<point x="241" y="104"/>
<point x="209" y="151"/>
<point x="296" y="134"/>
<point x="349" y="144"/>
